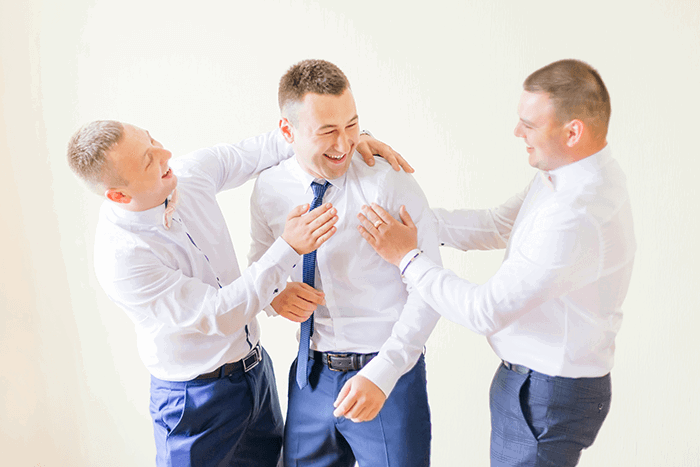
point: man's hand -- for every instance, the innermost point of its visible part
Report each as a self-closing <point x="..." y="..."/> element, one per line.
<point x="298" y="301"/>
<point x="390" y="238"/>
<point x="360" y="400"/>
<point x="368" y="147"/>
<point x="306" y="231"/>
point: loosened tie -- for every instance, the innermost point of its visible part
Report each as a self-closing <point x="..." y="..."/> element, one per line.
<point x="308" y="274"/>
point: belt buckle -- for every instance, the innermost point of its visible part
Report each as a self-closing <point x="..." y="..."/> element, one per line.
<point x="251" y="360"/>
<point x="521" y="370"/>
<point x="329" y="363"/>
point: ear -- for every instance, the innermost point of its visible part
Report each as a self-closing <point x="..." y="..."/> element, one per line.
<point x="287" y="130"/>
<point x="117" y="196"/>
<point x="574" y="132"/>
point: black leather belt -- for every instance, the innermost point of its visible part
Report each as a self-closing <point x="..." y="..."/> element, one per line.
<point x="246" y="364"/>
<point x="523" y="370"/>
<point x="342" y="361"/>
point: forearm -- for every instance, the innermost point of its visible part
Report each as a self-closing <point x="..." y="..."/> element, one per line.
<point x="240" y="162"/>
<point x="154" y="291"/>
<point x="479" y="229"/>
<point x="402" y="349"/>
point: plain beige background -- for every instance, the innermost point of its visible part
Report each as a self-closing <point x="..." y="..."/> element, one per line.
<point x="437" y="80"/>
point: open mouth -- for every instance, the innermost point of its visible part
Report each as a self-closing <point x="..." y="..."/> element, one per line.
<point x="337" y="159"/>
<point x="168" y="173"/>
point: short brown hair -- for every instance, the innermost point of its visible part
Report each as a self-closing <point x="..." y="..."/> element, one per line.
<point x="87" y="151"/>
<point x="317" y="76"/>
<point x="576" y="90"/>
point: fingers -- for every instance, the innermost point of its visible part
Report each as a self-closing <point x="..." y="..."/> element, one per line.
<point x="404" y="164"/>
<point x="367" y="226"/>
<point x="310" y="295"/>
<point x="322" y="221"/>
<point x="298" y="211"/>
<point x="406" y="217"/>
<point x="343" y="403"/>
<point x="296" y="314"/>
<point x="366" y="154"/>
<point x="382" y="214"/>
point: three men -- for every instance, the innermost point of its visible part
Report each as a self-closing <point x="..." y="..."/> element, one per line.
<point x="552" y="310"/>
<point x="366" y="342"/>
<point x="163" y="254"/>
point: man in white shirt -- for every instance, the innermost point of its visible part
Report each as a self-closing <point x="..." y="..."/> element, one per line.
<point x="365" y="355"/>
<point x="552" y="310"/>
<point x="165" y="256"/>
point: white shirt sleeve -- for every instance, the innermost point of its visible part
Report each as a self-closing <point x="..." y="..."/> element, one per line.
<point x="146" y="288"/>
<point x="261" y="238"/>
<point x="231" y="165"/>
<point x="559" y="255"/>
<point x="479" y="229"/>
<point x="409" y="334"/>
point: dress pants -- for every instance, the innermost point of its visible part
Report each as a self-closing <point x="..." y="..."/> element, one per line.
<point x="539" y="420"/>
<point x="233" y="420"/>
<point x="399" y="436"/>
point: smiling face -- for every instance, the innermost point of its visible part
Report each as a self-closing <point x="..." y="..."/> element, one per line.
<point x="143" y="163"/>
<point x="325" y="133"/>
<point x="544" y="135"/>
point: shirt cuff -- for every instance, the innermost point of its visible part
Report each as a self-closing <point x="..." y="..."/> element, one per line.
<point x="407" y="258"/>
<point x="382" y="373"/>
<point x="282" y="254"/>
<point x="270" y="311"/>
<point x="418" y="268"/>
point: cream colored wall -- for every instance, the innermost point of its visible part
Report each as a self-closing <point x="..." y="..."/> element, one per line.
<point x="440" y="82"/>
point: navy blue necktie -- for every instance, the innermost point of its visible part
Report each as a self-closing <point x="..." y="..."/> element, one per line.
<point x="309" y="275"/>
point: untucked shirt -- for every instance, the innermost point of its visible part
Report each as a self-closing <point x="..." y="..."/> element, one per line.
<point x="192" y="308"/>
<point x="555" y="303"/>
<point x="368" y="307"/>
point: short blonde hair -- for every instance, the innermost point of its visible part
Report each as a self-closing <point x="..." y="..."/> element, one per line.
<point x="87" y="153"/>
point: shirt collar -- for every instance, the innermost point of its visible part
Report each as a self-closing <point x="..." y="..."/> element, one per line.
<point x="306" y="178"/>
<point x="572" y="173"/>
<point x="151" y="217"/>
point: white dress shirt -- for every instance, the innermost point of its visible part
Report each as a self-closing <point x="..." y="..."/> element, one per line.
<point x="368" y="307"/>
<point x="555" y="303"/>
<point x="192" y="308"/>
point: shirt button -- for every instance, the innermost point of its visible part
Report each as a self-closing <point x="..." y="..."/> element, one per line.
<point x="276" y="290"/>
<point x="293" y="266"/>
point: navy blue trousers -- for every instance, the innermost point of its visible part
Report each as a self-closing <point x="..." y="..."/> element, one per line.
<point x="399" y="436"/>
<point x="539" y="420"/>
<point x="231" y="421"/>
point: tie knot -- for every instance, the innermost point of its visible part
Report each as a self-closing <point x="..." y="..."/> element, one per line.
<point x="319" y="189"/>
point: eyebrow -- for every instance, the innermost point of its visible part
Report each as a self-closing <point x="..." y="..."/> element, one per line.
<point x="527" y="122"/>
<point x="325" y="127"/>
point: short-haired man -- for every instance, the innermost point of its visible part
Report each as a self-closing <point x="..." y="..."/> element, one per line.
<point x="552" y="310"/>
<point x="366" y="340"/>
<point x="165" y="256"/>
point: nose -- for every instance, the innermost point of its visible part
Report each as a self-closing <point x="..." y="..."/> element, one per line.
<point x="518" y="130"/>
<point x="344" y="142"/>
<point x="165" y="155"/>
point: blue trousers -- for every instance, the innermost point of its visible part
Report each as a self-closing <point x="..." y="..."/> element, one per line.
<point x="399" y="436"/>
<point x="539" y="420"/>
<point x="234" y="420"/>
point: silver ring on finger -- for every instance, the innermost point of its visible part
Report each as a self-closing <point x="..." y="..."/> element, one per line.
<point x="377" y="224"/>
